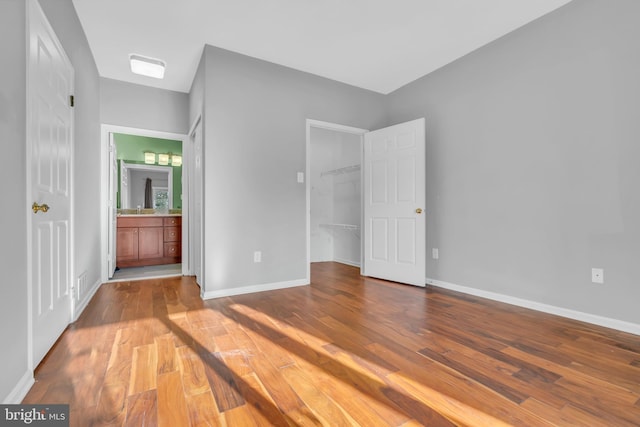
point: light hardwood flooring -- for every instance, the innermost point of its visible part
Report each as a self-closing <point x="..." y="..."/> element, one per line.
<point x="344" y="351"/>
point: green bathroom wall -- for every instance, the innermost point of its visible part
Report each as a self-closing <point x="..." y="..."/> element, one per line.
<point x="131" y="148"/>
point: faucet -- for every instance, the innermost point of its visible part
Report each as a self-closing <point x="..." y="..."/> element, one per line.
<point x="139" y="210"/>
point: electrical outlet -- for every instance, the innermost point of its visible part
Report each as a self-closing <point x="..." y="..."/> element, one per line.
<point x="597" y="275"/>
<point x="257" y="256"/>
<point x="435" y="253"/>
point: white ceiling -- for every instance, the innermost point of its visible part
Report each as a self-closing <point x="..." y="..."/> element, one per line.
<point x="379" y="45"/>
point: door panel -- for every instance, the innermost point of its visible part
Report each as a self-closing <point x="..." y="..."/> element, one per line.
<point x="395" y="233"/>
<point x="49" y="161"/>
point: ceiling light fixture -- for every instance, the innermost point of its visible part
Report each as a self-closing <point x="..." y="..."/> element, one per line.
<point x="146" y="66"/>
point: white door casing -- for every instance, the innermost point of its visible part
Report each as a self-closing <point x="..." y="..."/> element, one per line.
<point x="112" y="201"/>
<point x="196" y="202"/>
<point x="49" y="182"/>
<point x="394" y="202"/>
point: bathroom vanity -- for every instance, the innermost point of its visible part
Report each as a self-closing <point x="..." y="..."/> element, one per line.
<point x="148" y="240"/>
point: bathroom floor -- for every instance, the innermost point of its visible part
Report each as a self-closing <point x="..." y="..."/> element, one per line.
<point x="149" y="272"/>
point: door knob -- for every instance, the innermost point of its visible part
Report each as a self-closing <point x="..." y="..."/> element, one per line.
<point x="419" y="210"/>
<point x="36" y="207"/>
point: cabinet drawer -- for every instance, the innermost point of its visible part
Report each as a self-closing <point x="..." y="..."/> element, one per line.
<point x="172" y="221"/>
<point x="139" y="222"/>
<point x="172" y="234"/>
<point x="172" y="249"/>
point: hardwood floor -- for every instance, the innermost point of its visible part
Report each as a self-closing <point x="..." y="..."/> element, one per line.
<point x="344" y="351"/>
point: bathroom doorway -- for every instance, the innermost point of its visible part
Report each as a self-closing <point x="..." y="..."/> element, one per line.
<point x="144" y="224"/>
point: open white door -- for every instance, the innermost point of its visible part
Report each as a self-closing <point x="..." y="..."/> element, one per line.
<point x="49" y="160"/>
<point x="394" y="200"/>
<point x="112" y="205"/>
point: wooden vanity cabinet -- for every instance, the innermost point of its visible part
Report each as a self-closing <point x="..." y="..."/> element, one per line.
<point x="152" y="240"/>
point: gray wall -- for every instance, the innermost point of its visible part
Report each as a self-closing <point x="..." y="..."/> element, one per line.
<point x="532" y="160"/>
<point x="196" y="94"/>
<point x="14" y="301"/>
<point x="86" y="180"/>
<point x="143" y="107"/>
<point x="254" y="144"/>
<point x="13" y="251"/>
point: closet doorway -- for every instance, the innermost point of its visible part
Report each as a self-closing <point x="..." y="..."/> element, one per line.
<point x="334" y="159"/>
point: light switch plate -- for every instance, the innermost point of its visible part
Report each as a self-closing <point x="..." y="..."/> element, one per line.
<point x="300" y="177"/>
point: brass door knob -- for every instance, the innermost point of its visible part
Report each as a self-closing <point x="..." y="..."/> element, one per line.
<point x="36" y="207"/>
<point x="419" y="210"/>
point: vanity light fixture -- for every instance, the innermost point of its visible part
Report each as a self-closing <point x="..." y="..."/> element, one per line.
<point x="145" y="66"/>
<point x="176" y="160"/>
<point x="163" y="159"/>
<point x="149" y="158"/>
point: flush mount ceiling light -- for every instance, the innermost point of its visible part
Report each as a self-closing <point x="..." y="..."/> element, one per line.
<point x="146" y="66"/>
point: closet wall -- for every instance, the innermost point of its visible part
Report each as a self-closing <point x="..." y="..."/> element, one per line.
<point x="335" y="196"/>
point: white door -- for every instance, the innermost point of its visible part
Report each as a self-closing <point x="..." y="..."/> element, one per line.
<point x="196" y="204"/>
<point x="394" y="200"/>
<point x="49" y="145"/>
<point x="112" y="205"/>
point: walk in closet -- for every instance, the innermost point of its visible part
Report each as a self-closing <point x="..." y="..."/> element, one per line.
<point x="335" y="196"/>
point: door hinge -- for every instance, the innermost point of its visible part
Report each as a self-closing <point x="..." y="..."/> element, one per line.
<point x="71" y="101"/>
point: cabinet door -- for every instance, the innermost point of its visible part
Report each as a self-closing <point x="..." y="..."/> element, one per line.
<point x="150" y="242"/>
<point x="127" y="244"/>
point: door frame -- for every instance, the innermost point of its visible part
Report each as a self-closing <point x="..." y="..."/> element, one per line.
<point x="310" y="123"/>
<point x="105" y="131"/>
<point x="32" y="9"/>
<point x="189" y="157"/>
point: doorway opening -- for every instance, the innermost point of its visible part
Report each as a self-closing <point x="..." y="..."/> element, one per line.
<point x="334" y="193"/>
<point x="145" y="207"/>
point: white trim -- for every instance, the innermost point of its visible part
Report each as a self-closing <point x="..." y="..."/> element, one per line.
<point x="188" y="189"/>
<point x="79" y="308"/>
<point x="105" y="130"/>
<point x="255" y="288"/>
<point x="346" y="262"/>
<point x="339" y="128"/>
<point x="607" y="322"/>
<point x="20" y="390"/>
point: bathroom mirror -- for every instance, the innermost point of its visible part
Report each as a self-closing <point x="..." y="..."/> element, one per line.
<point x="133" y="181"/>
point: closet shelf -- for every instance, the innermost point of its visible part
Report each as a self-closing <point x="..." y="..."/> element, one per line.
<point x="341" y="226"/>
<point x="340" y="171"/>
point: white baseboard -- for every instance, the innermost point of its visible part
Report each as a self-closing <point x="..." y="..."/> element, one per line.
<point x="20" y="390"/>
<point x="607" y="322"/>
<point x="254" y="288"/>
<point x="85" y="300"/>
<point x="347" y="262"/>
